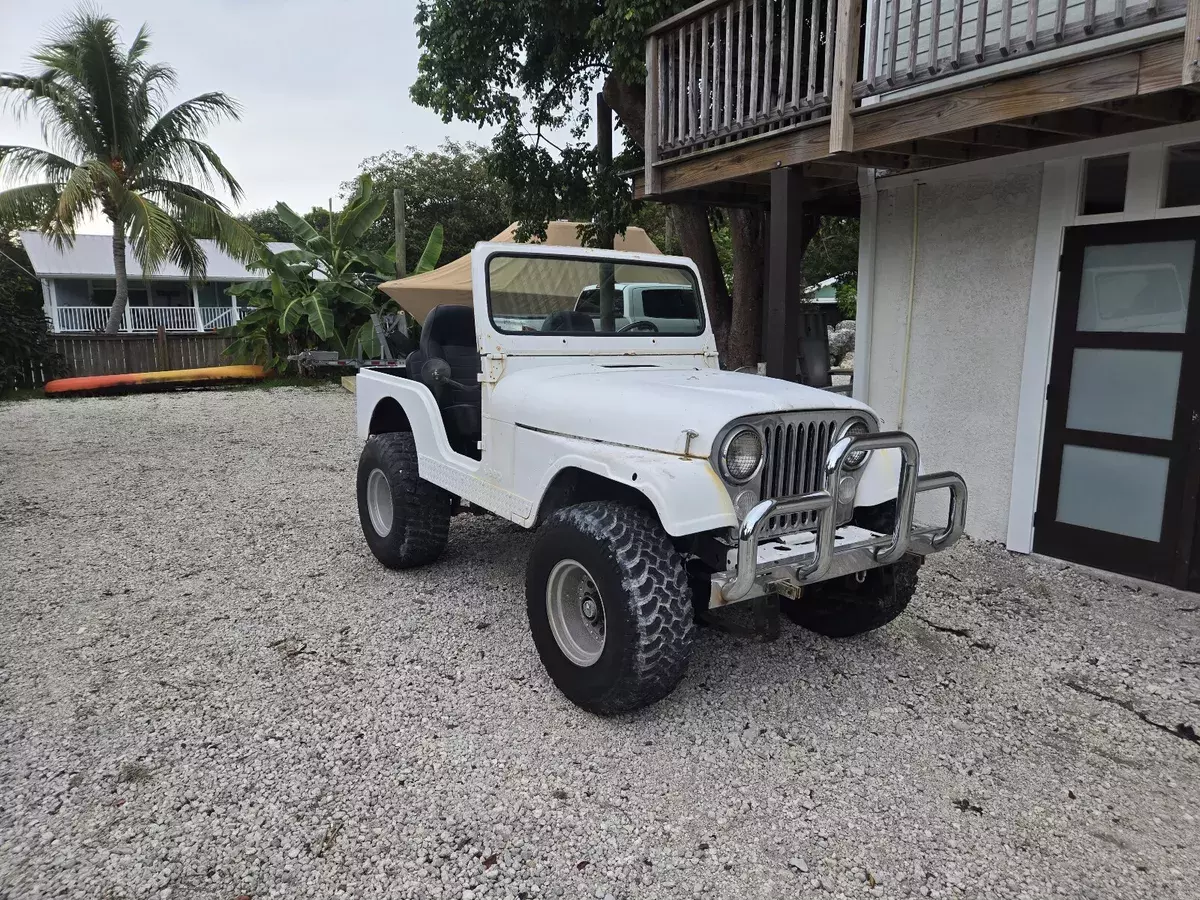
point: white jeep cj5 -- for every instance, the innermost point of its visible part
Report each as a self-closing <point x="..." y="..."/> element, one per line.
<point x="581" y="395"/>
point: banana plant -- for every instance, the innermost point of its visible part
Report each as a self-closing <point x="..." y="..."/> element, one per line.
<point x="322" y="293"/>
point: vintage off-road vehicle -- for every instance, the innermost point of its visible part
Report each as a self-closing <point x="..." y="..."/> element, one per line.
<point x="661" y="486"/>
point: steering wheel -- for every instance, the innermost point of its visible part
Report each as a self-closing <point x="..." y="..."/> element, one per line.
<point x="645" y="324"/>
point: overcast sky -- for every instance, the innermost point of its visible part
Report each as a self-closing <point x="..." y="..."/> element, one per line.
<point x="323" y="83"/>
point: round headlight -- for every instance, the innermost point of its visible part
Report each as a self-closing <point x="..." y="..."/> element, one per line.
<point x="741" y="455"/>
<point x="853" y="427"/>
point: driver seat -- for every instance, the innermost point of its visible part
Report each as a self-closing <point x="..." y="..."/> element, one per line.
<point x="449" y="334"/>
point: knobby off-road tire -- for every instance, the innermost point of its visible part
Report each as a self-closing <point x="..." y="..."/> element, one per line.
<point x="412" y="529"/>
<point x="843" y="607"/>
<point x="645" y="605"/>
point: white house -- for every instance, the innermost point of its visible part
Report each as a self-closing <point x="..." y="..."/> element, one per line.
<point x="78" y="287"/>
<point x="1028" y="182"/>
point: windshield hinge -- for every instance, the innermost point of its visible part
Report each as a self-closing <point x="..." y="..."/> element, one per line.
<point x="493" y="368"/>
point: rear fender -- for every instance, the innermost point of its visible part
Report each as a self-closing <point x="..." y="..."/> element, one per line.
<point x="374" y="392"/>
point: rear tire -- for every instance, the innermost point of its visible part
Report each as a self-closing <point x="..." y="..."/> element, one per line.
<point x="405" y="519"/>
<point x="844" y="607"/>
<point x="609" y="607"/>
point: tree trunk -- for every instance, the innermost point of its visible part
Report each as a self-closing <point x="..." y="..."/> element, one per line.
<point x="694" y="234"/>
<point x="121" y="300"/>
<point x="747" y="232"/>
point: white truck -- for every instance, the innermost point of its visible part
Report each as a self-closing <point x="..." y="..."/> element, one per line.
<point x="661" y="486"/>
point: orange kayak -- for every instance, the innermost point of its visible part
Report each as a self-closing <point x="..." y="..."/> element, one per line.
<point x="137" y="382"/>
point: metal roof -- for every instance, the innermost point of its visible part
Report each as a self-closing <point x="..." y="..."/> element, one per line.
<point x="91" y="256"/>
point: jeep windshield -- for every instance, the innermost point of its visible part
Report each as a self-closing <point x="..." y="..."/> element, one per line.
<point x="529" y="293"/>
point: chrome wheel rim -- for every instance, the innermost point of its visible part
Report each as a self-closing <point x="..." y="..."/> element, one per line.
<point x="379" y="502"/>
<point x="576" y="613"/>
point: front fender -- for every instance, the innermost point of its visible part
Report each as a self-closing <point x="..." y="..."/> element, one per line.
<point x="880" y="480"/>
<point x="685" y="491"/>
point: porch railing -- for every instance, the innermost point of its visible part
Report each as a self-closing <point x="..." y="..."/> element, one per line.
<point x="730" y="69"/>
<point x="146" y="318"/>
<point x="726" y="71"/>
<point x="915" y="41"/>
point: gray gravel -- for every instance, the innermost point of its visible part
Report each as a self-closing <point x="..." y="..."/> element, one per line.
<point x="209" y="689"/>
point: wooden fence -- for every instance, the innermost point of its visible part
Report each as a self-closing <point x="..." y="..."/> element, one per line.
<point x="117" y="354"/>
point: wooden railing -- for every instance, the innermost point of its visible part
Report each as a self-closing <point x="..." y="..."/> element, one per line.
<point x="726" y="71"/>
<point x="730" y="69"/>
<point x="914" y="41"/>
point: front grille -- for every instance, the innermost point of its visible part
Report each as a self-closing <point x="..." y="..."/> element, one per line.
<point x="794" y="455"/>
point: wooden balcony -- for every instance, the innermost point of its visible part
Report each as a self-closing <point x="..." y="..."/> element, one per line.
<point x="737" y="88"/>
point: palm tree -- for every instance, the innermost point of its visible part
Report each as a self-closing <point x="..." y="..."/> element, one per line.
<point x="115" y="147"/>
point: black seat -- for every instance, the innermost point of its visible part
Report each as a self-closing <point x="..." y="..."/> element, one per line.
<point x="449" y="334"/>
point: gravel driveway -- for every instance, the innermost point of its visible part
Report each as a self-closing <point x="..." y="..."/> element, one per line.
<point x="210" y="689"/>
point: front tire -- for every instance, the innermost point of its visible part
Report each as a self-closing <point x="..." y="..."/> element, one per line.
<point x="845" y="607"/>
<point x="405" y="519"/>
<point x="609" y="607"/>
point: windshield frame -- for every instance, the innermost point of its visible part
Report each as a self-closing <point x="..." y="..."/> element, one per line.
<point x="598" y="258"/>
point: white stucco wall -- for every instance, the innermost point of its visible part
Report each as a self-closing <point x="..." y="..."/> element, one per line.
<point x="974" y="248"/>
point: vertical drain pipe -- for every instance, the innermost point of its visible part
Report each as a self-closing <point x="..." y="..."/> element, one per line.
<point x="912" y="290"/>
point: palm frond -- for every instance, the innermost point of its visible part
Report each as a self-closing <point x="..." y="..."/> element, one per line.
<point x="201" y="217"/>
<point x="86" y="51"/>
<point x="188" y="121"/>
<point x="21" y="163"/>
<point x="66" y="122"/>
<point x="150" y="229"/>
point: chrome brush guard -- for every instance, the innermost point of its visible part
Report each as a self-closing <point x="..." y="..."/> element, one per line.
<point x="828" y="552"/>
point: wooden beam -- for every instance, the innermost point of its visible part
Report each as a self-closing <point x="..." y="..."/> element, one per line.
<point x="1078" y="84"/>
<point x="785" y="148"/>
<point x="1161" y="109"/>
<point x="845" y="70"/>
<point x="1160" y="65"/>
<point x="784" y="274"/>
<point x="1000" y="137"/>
<point x="1191" y="44"/>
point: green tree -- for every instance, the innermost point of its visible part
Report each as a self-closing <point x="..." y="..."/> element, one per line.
<point x="24" y="329"/>
<point x="451" y="186"/>
<point x="118" y="149"/>
<point x="268" y="225"/>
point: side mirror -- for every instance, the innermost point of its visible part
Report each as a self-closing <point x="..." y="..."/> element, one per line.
<point x="435" y="373"/>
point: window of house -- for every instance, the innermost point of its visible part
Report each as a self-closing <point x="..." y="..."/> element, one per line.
<point x="105" y="292"/>
<point x="170" y="293"/>
<point x="1183" y="176"/>
<point x="1104" y="181"/>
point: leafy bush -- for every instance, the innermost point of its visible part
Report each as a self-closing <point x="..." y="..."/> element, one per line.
<point x="322" y="294"/>
<point x="24" y="328"/>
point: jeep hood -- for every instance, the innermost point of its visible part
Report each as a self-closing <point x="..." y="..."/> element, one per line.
<point x="647" y="406"/>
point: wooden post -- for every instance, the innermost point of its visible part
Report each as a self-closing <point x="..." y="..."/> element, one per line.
<point x="653" y="116"/>
<point x="398" y="208"/>
<point x="845" y="66"/>
<point x="160" y="345"/>
<point x="784" y="273"/>
<point x="1191" y="44"/>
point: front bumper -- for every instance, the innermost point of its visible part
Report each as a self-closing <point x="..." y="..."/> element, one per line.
<point x="785" y="564"/>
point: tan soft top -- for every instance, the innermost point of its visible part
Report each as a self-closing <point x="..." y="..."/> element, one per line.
<point x="451" y="284"/>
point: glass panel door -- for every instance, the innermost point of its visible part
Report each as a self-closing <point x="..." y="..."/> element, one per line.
<point x="1118" y="475"/>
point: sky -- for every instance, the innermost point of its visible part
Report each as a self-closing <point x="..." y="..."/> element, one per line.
<point x="323" y="83"/>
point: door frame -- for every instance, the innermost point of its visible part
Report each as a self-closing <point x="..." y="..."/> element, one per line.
<point x="1167" y="560"/>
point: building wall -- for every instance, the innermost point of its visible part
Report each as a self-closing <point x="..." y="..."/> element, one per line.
<point x="970" y="300"/>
